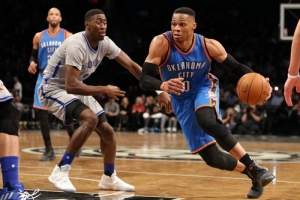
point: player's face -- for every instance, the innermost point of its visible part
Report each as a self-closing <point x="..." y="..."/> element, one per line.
<point x="54" y="17"/>
<point x="98" y="26"/>
<point x="182" y="26"/>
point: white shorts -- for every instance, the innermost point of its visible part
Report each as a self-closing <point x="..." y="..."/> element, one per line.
<point x="56" y="100"/>
<point x="4" y="93"/>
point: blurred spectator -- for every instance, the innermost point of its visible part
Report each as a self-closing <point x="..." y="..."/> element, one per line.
<point x="277" y="98"/>
<point x="17" y="90"/>
<point x="151" y="117"/>
<point x="250" y="121"/>
<point x="229" y="121"/>
<point x="123" y="117"/>
<point x="137" y="110"/>
<point x="172" y="125"/>
<point x="112" y="110"/>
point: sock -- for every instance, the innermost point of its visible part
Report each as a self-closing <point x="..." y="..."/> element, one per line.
<point x="246" y="160"/>
<point x="10" y="170"/>
<point x="67" y="159"/>
<point x="45" y="128"/>
<point x="109" y="169"/>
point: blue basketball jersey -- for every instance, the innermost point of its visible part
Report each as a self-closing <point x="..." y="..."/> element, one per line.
<point x="193" y="65"/>
<point x="201" y="88"/>
<point x="48" y="44"/>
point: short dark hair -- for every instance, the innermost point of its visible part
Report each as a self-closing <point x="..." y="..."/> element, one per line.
<point x="186" y="10"/>
<point x="91" y="13"/>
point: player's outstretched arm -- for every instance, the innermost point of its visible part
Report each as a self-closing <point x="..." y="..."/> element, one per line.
<point x="74" y="86"/>
<point x="293" y="71"/>
<point x="129" y="64"/>
<point x="34" y="53"/>
<point x="157" y="53"/>
<point x="218" y="52"/>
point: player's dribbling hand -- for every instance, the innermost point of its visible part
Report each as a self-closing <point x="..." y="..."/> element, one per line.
<point x="164" y="100"/>
<point x="174" y="86"/>
<point x="32" y="68"/>
<point x="114" y="92"/>
<point x="270" y="90"/>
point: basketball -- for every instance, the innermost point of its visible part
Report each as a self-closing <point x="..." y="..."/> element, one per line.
<point x="252" y="89"/>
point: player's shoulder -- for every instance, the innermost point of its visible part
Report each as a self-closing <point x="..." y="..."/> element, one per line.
<point x="38" y="34"/>
<point x="160" y="40"/>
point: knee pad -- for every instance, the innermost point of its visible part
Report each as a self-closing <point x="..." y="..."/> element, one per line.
<point x="9" y="119"/>
<point x="207" y="120"/>
<point x="218" y="159"/>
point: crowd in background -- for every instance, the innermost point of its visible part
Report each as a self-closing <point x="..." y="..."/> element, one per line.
<point x="247" y="29"/>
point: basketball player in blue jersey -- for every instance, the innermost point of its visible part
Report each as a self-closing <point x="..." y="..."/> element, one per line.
<point x="44" y="45"/>
<point x="71" y="100"/>
<point x="183" y="59"/>
<point x="9" y="149"/>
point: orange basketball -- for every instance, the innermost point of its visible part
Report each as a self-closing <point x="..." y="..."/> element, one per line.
<point x="252" y="89"/>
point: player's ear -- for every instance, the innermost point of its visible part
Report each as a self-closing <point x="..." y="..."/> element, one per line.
<point x="194" y="26"/>
<point x="86" y="24"/>
<point x="60" y="19"/>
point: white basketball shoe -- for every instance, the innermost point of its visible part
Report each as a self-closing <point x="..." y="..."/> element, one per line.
<point x="60" y="178"/>
<point x="114" y="183"/>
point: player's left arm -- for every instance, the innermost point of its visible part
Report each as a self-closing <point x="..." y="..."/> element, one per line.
<point x="129" y="64"/>
<point x="218" y="52"/>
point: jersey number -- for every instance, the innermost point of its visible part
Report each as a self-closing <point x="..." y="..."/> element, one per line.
<point x="187" y="86"/>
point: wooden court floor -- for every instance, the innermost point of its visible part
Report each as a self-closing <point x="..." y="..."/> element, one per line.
<point x="161" y="167"/>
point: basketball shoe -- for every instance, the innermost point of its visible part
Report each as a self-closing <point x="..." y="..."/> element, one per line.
<point x="260" y="174"/>
<point x="17" y="193"/>
<point x="48" y="155"/>
<point x="114" y="183"/>
<point x="60" y="178"/>
<point x="256" y="191"/>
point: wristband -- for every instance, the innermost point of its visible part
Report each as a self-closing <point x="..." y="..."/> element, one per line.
<point x="293" y="76"/>
<point x="158" y="92"/>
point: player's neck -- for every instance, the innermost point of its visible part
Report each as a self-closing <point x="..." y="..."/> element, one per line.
<point x="53" y="30"/>
<point x="185" y="45"/>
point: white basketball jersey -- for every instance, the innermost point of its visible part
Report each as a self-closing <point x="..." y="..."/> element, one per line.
<point x="76" y="51"/>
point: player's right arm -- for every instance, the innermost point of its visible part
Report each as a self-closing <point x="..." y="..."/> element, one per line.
<point x="34" y="53"/>
<point x="73" y="64"/>
<point x="157" y="53"/>
<point x="74" y="86"/>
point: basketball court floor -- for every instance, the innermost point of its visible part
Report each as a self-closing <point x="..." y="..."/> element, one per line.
<point x="161" y="168"/>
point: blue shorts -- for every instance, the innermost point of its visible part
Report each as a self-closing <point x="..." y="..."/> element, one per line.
<point x="205" y="96"/>
<point x="36" y="102"/>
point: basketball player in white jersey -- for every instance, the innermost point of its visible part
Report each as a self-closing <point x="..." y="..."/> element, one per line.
<point x="44" y="45"/>
<point x="9" y="149"/>
<point x="69" y="99"/>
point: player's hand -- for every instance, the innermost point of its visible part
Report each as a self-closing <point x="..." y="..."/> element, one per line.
<point x="288" y="89"/>
<point x="164" y="100"/>
<point x="32" y="67"/>
<point x="270" y="90"/>
<point x="114" y="92"/>
<point x="174" y="86"/>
